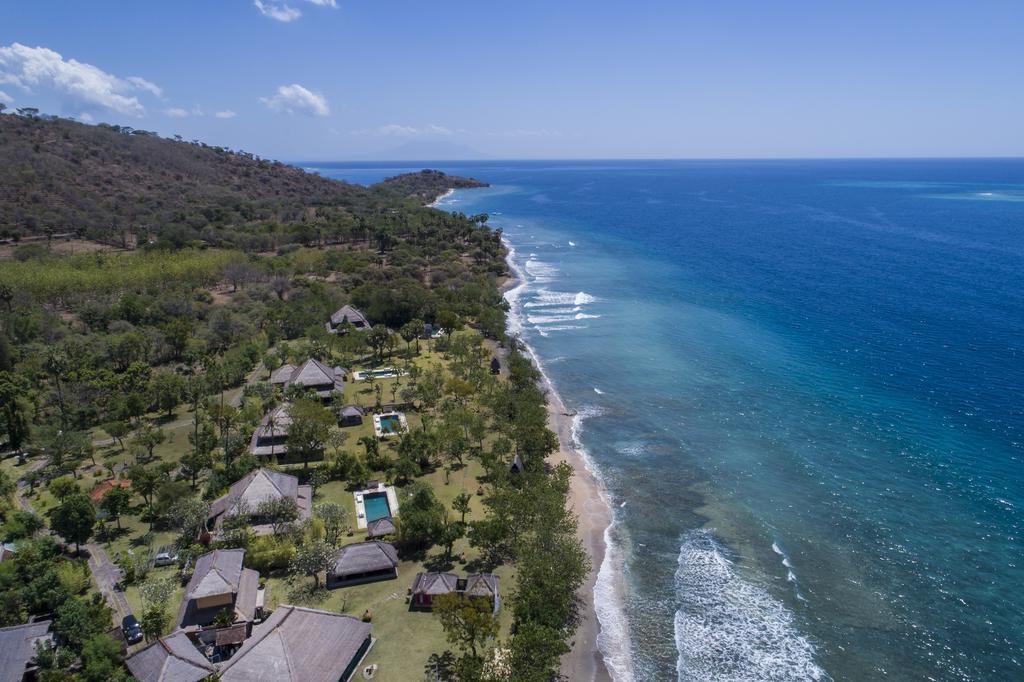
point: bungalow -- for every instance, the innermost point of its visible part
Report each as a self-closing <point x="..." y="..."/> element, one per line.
<point x="298" y="644"/>
<point x="380" y="528"/>
<point x="246" y="495"/>
<point x="351" y="316"/>
<point x="271" y="436"/>
<point x="18" y="650"/>
<point x="173" y="658"/>
<point x="218" y="583"/>
<point x="427" y="586"/>
<point x="311" y="375"/>
<point x="363" y="562"/>
<point x="351" y="415"/>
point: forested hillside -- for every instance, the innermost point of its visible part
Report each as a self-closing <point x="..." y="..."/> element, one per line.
<point x="117" y="185"/>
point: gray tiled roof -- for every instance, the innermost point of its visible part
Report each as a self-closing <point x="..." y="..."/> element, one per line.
<point x="380" y="527"/>
<point x="170" y="659"/>
<point x="220" y="572"/>
<point x="299" y="645"/>
<point x="259" y="486"/>
<point x="354" y="317"/>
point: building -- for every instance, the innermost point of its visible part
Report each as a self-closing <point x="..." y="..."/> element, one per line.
<point x="246" y="495"/>
<point x="311" y="375"/>
<point x="351" y="415"/>
<point x="270" y="439"/>
<point x="18" y="649"/>
<point x="219" y="582"/>
<point x="344" y="316"/>
<point x="380" y="528"/>
<point x="297" y="644"/>
<point x="363" y="562"/>
<point x="173" y="658"/>
<point x="427" y="586"/>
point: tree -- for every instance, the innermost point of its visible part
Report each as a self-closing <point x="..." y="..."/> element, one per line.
<point x="74" y="519"/>
<point x="309" y="430"/>
<point x="145" y="482"/>
<point x="440" y="667"/>
<point x="195" y="462"/>
<point x="167" y="390"/>
<point x="461" y="505"/>
<point x="313" y="557"/>
<point x="377" y="339"/>
<point x="116" y="502"/>
<point x="467" y="623"/>
<point x="410" y="332"/>
<point x="450" y="322"/>
<point x="148" y="438"/>
<point x="422" y="516"/>
<point x="278" y="512"/>
<point x="63" y="488"/>
<point x="155" y="592"/>
<point x="117" y="430"/>
<point x="101" y="659"/>
<point x="78" y="620"/>
<point x="334" y="518"/>
<point x="450" y="534"/>
<point x="405" y="469"/>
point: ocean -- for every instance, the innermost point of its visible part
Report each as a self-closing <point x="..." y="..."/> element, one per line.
<point x="801" y="385"/>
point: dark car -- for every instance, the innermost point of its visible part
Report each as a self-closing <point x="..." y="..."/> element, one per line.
<point x="131" y="629"/>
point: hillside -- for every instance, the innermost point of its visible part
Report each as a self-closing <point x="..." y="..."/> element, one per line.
<point x="114" y="184"/>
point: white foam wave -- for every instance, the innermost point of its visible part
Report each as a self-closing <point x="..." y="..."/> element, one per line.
<point x="598" y="391"/>
<point x="546" y="331"/>
<point x="730" y="629"/>
<point x="546" y="297"/>
<point x="540" y="271"/>
<point x="572" y="243"/>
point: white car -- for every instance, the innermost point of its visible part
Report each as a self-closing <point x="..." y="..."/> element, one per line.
<point x="165" y="557"/>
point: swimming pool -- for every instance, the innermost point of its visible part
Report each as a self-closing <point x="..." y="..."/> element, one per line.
<point x="376" y="506"/>
<point x="390" y="423"/>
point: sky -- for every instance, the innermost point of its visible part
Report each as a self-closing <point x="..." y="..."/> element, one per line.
<point x="567" y="79"/>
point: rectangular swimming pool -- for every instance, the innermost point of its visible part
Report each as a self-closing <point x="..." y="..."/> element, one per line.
<point x="376" y="506"/>
<point x="390" y="423"/>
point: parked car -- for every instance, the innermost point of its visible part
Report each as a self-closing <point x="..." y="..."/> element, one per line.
<point x="132" y="629"/>
<point x="165" y="557"/>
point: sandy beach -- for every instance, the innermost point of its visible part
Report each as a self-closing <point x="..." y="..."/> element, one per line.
<point x="584" y="662"/>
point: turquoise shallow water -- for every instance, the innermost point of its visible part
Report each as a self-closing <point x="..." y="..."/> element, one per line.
<point x="801" y="385"/>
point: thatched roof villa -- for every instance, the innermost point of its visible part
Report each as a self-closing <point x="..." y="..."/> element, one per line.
<point x="220" y="582"/>
<point x="255" y="488"/>
<point x="173" y="658"/>
<point x="18" y="649"/>
<point x="299" y="644"/>
<point x="427" y="586"/>
<point x="363" y="562"/>
<point x="313" y="375"/>
<point x="348" y="314"/>
<point x="270" y="438"/>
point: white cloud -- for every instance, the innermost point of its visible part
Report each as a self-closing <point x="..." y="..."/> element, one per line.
<point x="324" y="3"/>
<point x="81" y="84"/>
<point x="522" y="132"/>
<point x="295" y="99"/>
<point x="396" y="130"/>
<point x="227" y="113"/>
<point x="143" y="84"/>
<point x="282" y="12"/>
<point x="5" y="98"/>
<point x="176" y="112"/>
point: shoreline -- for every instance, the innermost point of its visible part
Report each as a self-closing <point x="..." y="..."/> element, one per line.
<point x="584" y="661"/>
<point x="447" y="193"/>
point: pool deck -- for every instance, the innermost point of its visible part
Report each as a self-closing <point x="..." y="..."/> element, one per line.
<point x="361" y="506"/>
<point x="378" y="429"/>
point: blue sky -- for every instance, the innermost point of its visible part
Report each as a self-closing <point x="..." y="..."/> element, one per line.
<point x="357" y="79"/>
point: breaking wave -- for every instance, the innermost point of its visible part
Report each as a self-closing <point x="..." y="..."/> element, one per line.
<point x="728" y="629"/>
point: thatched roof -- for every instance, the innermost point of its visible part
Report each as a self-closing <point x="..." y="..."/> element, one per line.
<point x="217" y="573"/>
<point x="381" y="527"/>
<point x="260" y="486"/>
<point x="365" y="557"/>
<point x="259" y="445"/>
<point x="352" y="411"/>
<point x="301" y="645"/>
<point x="435" y="584"/>
<point x="282" y="374"/>
<point x="481" y="585"/>
<point x="170" y="659"/>
<point x="18" y="647"/>
<point x="318" y="376"/>
<point x="350" y="314"/>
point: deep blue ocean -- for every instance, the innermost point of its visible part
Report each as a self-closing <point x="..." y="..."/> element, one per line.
<point x="802" y="383"/>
